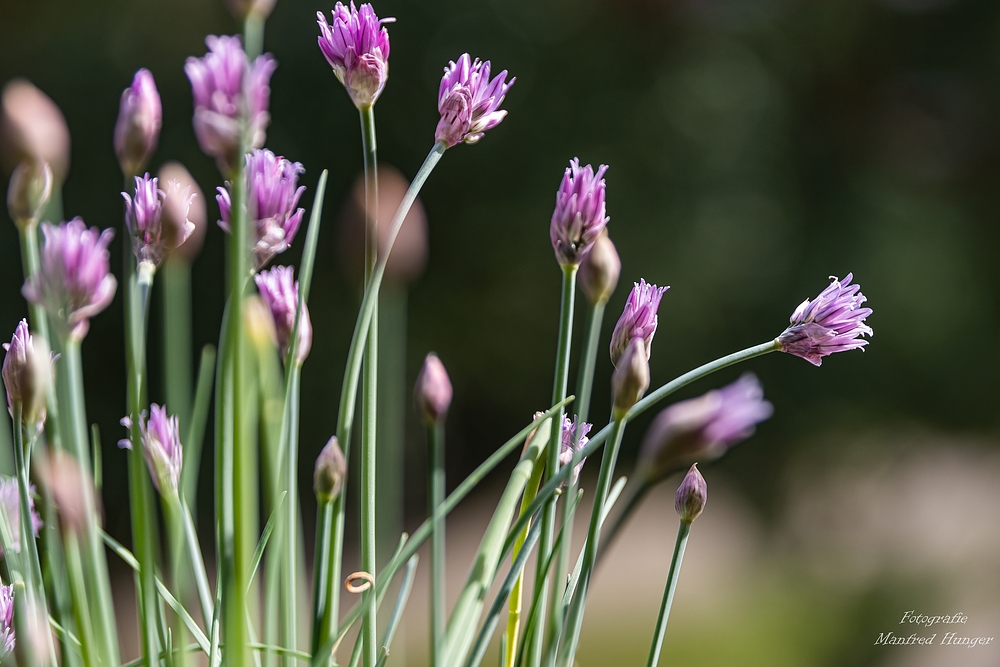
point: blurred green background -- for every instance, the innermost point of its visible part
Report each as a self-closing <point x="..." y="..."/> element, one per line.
<point x="755" y="148"/>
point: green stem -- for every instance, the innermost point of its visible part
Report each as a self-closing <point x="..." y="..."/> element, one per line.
<point x="95" y="566"/>
<point x="323" y="583"/>
<point x="585" y="385"/>
<point x="436" y="493"/>
<point x="253" y="36"/>
<point x="574" y="617"/>
<point x="289" y="463"/>
<point x="176" y="280"/>
<point x="140" y="494"/>
<point x="668" y="594"/>
<point x="370" y="384"/>
<point x="559" y="389"/>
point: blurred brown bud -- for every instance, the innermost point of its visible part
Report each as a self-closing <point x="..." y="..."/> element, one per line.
<point x="691" y="495"/>
<point x="29" y="191"/>
<point x="331" y="468"/>
<point x="600" y="270"/>
<point x="409" y="251"/>
<point x="174" y="218"/>
<point x="432" y="392"/>
<point x="72" y="490"/>
<point x="630" y="378"/>
<point x="32" y="128"/>
<point x="241" y="9"/>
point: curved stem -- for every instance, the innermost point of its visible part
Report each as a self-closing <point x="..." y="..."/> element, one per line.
<point x="289" y="462"/>
<point x="559" y="389"/>
<point x="436" y="492"/>
<point x="668" y="594"/>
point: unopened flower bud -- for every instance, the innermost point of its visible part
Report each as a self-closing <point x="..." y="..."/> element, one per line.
<point x="630" y="378"/>
<point x="691" y="495"/>
<point x="241" y="9"/>
<point x="433" y="390"/>
<point x="137" y="130"/>
<point x="72" y="490"/>
<point x="29" y="191"/>
<point x="27" y="374"/>
<point x="331" y="469"/>
<point x="184" y="206"/>
<point x="32" y="128"/>
<point x="280" y="293"/>
<point x="599" y="270"/>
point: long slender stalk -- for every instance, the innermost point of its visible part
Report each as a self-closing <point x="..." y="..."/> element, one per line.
<point x="94" y="566"/>
<point x="559" y="390"/>
<point x="435" y="496"/>
<point x="140" y="493"/>
<point x="668" y="594"/>
<point x="574" y="617"/>
<point x="369" y="401"/>
<point x="176" y="280"/>
<point x="585" y="384"/>
<point x="289" y="557"/>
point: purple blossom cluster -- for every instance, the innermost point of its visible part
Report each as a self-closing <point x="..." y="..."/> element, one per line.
<point x="10" y="499"/>
<point x="638" y="320"/>
<point x="832" y="322"/>
<point x="469" y="101"/>
<point x="280" y="293"/>
<point x="161" y="447"/>
<point x="7" y="639"/>
<point x="356" y="45"/>
<point x="144" y="219"/>
<point x="570" y="444"/>
<point x="580" y="214"/>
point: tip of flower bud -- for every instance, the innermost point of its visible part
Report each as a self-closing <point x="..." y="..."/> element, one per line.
<point x="32" y="128"/>
<point x="137" y="130"/>
<point x="260" y="326"/>
<point x="600" y="269"/>
<point x="630" y="378"/>
<point x="27" y="374"/>
<point x="409" y="250"/>
<point x="29" y="191"/>
<point x="691" y="495"/>
<point x="433" y="391"/>
<point x="331" y="468"/>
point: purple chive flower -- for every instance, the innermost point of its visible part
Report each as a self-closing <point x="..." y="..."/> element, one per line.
<point x="27" y="374"/>
<point x="469" y="102"/>
<point x="569" y="445"/>
<point x="691" y="495"/>
<point x="143" y="218"/>
<point x="11" y="500"/>
<point x="280" y="293"/>
<point x="832" y="322"/>
<point x="357" y="48"/>
<point x="432" y="392"/>
<point x="638" y="319"/>
<point x="74" y="282"/>
<point x="224" y="86"/>
<point x="161" y="447"/>
<point x="580" y="213"/>
<point x="6" y="621"/>
<point x="272" y="195"/>
<point x="138" y="128"/>
<point x="703" y="429"/>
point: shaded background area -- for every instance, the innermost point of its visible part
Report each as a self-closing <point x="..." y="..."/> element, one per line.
<point x="756" y="147"/>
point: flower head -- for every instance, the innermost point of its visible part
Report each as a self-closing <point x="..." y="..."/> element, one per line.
<point x="27" y="374"/>
<point x="11" y="499"/>
<point x="144" y="214"/>
<point x="137" y="130"/>
<point x="6" y="621"/>
<point x="223" y="84"/>
<point x="280" y="293"/>
<point x="691" y="495"/>
<point x="570" y="445"/>
<point x="184" y="215"/>
<point x="272" y="195"/>
<point x="630" y="379"/>
<point x="580" y="213"/>
<point x="331" y="470"/>
<point x="432" y="391"/>
<point x="74" y="281"/>
<point x="638" y="320"/>
<point x="29" y="191"/>
<point x="357" y="47"/>
<point x="469" y="102"/>
<point x="161" y="447"/>
<point x="704" y="428"/>
<point x="832" y="322"/>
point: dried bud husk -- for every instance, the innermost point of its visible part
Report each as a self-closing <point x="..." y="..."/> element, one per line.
<point x="432" y="392"/>
<point x="600" y="270"/>
<point x="691" y="495"/>
<point x="630" y="378"/>
<point x="331" y="468"/>
<point x="32" y="128"/>
<point x="179" y="208"/>
<point x="29" y="191"/>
